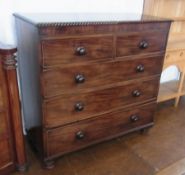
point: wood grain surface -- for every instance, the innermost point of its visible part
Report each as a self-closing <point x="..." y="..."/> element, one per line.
<point x="96" y="129"/>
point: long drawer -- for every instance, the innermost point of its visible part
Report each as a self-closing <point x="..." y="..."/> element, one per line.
<point x="72" y="108"/>
<point x="77" y="79"/>
<point x="78" y="135"/>
<point x="76" y="50"/>
<point x="141" y="43"/>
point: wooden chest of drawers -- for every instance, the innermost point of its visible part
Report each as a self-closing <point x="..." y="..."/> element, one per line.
<point x="89" y="79"/>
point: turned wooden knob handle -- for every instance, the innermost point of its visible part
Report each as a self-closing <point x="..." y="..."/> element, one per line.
<point x="140" y="68"/>
<point x="80" y="51"/>
<point x="79" y="78"/>
<point x="79" y="106"/>
<point x="143" y="45"/>
<point x="80" y="135"/>
<point x="134" y="118"/>
<point x="136" y="93"/>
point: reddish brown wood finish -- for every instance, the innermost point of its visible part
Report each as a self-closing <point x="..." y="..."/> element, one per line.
<point x="62" y="110"/>
<point x="49" y="31"/>
<point x="6" y="154"/>
<point x="88" y="79"/>
<point x="62" y="51"/>
<point x="103" y="87"/>
<point x="16" y="118"/>
<point x="7" y="161"/>
<point x="1" y="96"/>
<point x="61" y="80"/>
<point x="3" y="125"/>
<point x="11" y="110"/>
<point x="134" y="43"/>
<point x="95" y="129"/>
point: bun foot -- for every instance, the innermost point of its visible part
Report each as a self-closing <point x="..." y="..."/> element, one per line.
<point x="22" y="168"/>
<point x="144" y="130"/>
<point x="50" y="164"/>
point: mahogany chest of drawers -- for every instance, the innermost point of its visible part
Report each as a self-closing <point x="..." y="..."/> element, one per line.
<point x="86" y="78"/>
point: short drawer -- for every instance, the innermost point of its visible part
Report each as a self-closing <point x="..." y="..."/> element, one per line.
<point x="76" y="50"/>
<point x="140" y="43"/>
<point x="78" y="79"/>
<point x="78" y="135"/>
<point x="72" y="108"/>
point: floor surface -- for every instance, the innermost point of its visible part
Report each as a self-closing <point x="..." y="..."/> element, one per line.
<point x="160" y="151"/>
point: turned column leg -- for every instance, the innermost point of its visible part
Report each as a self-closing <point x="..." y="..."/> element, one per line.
<point x="144" y="130"/>
<point x="9" y="64"/>
<point x="49" y="164"/>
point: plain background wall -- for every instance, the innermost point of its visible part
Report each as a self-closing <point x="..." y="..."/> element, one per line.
<point x="8" y="7"/>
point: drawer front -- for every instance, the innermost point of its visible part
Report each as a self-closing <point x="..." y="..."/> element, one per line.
<point x="76" y="50"/>
<point x="73" y="108"/>
<point x="5" y="154"/>
<point x="175" y="56"/>
<point x="81" y="134"/>
<point x="140" y="43"/>
<point x="78" y="79"/>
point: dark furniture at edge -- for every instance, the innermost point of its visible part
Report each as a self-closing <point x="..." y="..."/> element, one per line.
<point x="12" y="146"/>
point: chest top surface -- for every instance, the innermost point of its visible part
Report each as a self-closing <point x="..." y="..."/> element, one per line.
<point x="63" y="19"/>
